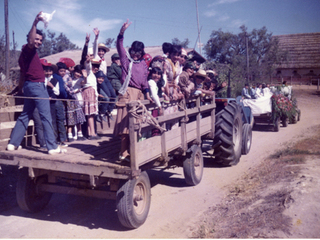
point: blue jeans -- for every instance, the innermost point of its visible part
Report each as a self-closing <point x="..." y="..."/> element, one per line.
<point x="58" y="123"/>
<point x="38" y="90"/>
<point x="38" y="128"/>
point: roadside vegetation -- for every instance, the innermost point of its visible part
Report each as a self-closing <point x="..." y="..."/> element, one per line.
<point x="254" y="207"/>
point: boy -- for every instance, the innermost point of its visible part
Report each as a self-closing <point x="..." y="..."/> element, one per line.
<point x="114" y="73"/>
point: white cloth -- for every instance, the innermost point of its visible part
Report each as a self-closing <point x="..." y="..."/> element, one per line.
<point x="91" y="79"/>
<point x="154" y="91"/>
<point x="55" y="89"/>
<point x="261" y="105"/>
<point x="259" y="93"/>
<point x="125" y="85"/>
<point x="46" y="18"/>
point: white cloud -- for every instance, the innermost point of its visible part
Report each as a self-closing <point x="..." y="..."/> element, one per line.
<point x="223" y="18"/>
<point x="237" y="23"/>
<point x="210" y="13"/>
<point x="218" y="2"/>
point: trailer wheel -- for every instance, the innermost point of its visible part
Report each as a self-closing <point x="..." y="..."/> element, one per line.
<point x="246" y="138"/>
<point x="193" y="166"/>
<point x="29" y="196"/>
<point x="133" y="201"/>
<point x="277" y="125"/>
<point x="227" y="142"/>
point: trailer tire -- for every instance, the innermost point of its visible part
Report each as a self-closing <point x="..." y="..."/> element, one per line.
<point x="276" y="127"/>
<point x="29" y="197"/>
<point x="227" y="142"/>
<point x="133" y="201"/>
<point x="246" y="138"/>
<point x="193" y="166"/>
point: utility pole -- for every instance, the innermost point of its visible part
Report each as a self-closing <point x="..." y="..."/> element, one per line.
<point x="247" y="58"/>
<point x="14" y="47"/>
<point x="198" y="27"/>
<point x="7" y="66"/>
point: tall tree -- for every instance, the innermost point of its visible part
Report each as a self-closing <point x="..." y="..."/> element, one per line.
<point x="109" y="42"/>
<point x="52" y="44"/>
<point x="228" y="52"/>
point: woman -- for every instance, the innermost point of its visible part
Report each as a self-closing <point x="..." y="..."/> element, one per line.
<point x="134" y="83"/>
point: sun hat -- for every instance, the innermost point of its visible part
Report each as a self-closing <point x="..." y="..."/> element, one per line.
<point x="95" y="61"/>
<point x="68" y="61"/>
<point x="45" y="62"/>
<point x="201" y="73"/>
<point x="104" y="47"/>
<point x="211" y="71"/>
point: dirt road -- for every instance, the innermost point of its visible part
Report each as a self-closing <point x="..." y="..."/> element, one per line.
<point x="175" y="207"/>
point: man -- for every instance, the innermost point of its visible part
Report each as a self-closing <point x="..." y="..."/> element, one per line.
<point x="32" y="79"/>
<point x="245" y="91"/>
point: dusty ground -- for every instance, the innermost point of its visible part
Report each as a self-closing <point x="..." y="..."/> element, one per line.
<point x="260" y="197"/>
<point x="277" y="199"/>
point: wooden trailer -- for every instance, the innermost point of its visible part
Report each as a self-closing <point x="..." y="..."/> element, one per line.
<point x="92" y="168"/>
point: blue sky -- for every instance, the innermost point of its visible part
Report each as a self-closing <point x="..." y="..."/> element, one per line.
<point x="155" y="22"/>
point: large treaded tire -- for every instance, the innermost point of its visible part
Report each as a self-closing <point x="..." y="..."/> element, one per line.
<point x="193" y="166"/>
<point x="246" y="138"/>
<point x="133" y="201"/>
<point x="227" y="142"/>
<point x="29" y="196"/>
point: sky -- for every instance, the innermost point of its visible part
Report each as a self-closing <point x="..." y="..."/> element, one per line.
<point x="155" y="22"/>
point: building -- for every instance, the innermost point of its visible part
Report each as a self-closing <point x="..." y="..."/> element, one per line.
<point x="303" y="63"/>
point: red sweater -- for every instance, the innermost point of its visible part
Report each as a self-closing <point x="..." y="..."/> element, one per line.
<point x="30" y="65"/>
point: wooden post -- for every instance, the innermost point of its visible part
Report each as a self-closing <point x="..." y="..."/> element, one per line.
<point x="198" y="120"/>
<point x="7" y="39"/>
<point x="318" y="85"/>
<point x="133" y="139"/>
<point x="163" y="142"/>
<point x="213" y="118"/>
<point x="184" y="142"/>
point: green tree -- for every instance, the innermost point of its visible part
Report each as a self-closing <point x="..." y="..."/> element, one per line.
<point x="109" y="42"/>
<point x="228" y="53"/>
<point x="52" y="44"/>
<point x="183" y="44"/>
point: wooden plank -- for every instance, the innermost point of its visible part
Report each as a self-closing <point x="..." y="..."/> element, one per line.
<point x="148" y="150"/>
<point x="173" y="139"/>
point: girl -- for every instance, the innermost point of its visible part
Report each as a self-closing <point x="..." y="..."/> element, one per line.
<point x="155" y="77"/>
<point x="74" y="112"/>
<point x="134" y="79"/>
<point x="90" y="97"/>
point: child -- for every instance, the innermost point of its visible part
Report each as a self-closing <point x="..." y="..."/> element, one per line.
<point x="59" y="106"/>
<point x="99" y="50"/>
<point x="74" y="113"/>
<point x="155" y="76"/>
<point x="90" y="96"/>
<point x="106" y="94"/>
<point x="114" y="73"/>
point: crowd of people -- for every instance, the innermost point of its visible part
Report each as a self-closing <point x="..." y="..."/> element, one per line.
<point x="81" y="94"/>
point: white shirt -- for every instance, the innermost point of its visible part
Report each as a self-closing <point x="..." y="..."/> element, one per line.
<point x="154" y="92"/>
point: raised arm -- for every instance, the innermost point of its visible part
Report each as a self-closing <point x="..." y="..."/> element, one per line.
<point x="95" y="43"/>
<point x="85" y="50"/>
<point x="33" y="31"/>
